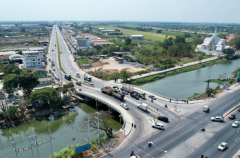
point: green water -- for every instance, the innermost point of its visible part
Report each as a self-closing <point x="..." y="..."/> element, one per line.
<point x="61" y="132"/>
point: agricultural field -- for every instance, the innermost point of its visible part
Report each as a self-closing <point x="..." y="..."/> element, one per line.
<point x="147" y="35"/>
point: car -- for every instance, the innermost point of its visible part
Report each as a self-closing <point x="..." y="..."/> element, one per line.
<point x="181" y="64"/>
<point x="205" y="108"/>
<point x="116" y="87"/>
<point x="17" y="93"/>
<point x="124" y="106"/>
<point x="238" y="109"/>
<point x="78" y="83"/>
<point x="152" y="97"/>
<point x="125" y="92"/>
<point x="235" y="124"/>
<point x="232" y="116"/>
<point x="157" y="125"/>
<point x="14" y="102"/>
<point x="85" y="81"/>
<point x="217" y="118"/>
<point x="91" y="83"/>
<point x="18" y="100"/>
<point x="162" y="118"/>
<point x="222" y="146"/>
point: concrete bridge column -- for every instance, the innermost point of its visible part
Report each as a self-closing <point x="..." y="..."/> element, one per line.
<point x="97" y="105"/>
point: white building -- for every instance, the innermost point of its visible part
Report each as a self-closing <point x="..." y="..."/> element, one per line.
<point x="39" y="49"/>
<point x="136" y="37"/>
<point x="212" y="44"/>
<point x="85" y="28"/>
<point x="32" y="58"/>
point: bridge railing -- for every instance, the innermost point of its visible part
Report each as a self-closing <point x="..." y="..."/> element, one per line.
<point x="106" y="103"/>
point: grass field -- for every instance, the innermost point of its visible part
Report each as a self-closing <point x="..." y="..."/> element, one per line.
<point x="147" y="35"/>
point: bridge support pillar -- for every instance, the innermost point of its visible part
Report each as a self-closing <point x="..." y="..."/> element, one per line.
<point x="97" y="105"/>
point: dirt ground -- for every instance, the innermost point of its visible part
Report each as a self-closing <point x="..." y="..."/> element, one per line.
<point x="110" y="66"/>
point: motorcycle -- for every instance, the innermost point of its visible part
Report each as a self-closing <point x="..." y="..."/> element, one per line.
<point x="203" y="129"/>
<point x="80" y="89"/>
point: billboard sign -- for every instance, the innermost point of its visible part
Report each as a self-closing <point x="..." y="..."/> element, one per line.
<point x="239" y="74"/>
<point x="82" y="148"/>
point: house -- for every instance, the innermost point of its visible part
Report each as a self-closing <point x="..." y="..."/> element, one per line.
<point x="212" y="44"/>
<point x="136" y="37"/>
<point x="40" y="71"/>
<point x="4" y="59"/>
<point x="32" y="58"/>
<point x="7" y="53"/>
<point x="121" y="54"/>
<point x="43" y="44"/>
<point x="44" y="81"/>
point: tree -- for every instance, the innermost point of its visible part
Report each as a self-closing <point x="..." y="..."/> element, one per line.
<point x="10" y="82"/>
<point x="112" y="48"/>
<point x="179" y="39"/>
<point x="23" y="29"/>
<point x="20" y="52"/>
<point x="117" y="30"/>
<point x="28" y="81"/>
<point x="104" y="51"/>
<point x="186" y="35"/>
<point x="235" y="72"/>
<point x="127" y="41"/>
<point x="104" y="123"/>
<point x="235" y="42"/>
<point x="124" y="74"/>
<point x="159" y="31"/>
<point x="228" y="52"/>
<point x="66" y="87"/>
<point x="200" y="57"/>
<point x="197" y="41"/>
<point x="209" y="91"/>
<point x="48" y="97"/>
<point x="9" y="69"/>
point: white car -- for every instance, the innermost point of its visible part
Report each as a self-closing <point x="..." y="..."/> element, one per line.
<point x="152" y="97"/>
<point x="91" y="83"/>
<point x="157" y="125"/>
<point x="222" y="146"/>
<point x="235" y="124"/>
<point x="124" y="106"/>
<point x="217" y="118"/>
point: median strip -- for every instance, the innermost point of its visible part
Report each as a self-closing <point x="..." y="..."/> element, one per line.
<point x="230" y="111"/>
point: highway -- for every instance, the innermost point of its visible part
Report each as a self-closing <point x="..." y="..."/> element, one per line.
<point x="182" y="136"/>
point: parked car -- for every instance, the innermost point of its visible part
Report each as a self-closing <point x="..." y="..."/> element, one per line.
<point x="235" y="124"/>
<point x="222" y="146"/>
<point x="157" y="125"/>
<point x="124" y="106"/>
<point x="116" y="87"/>
<point x="217" y="118"/>
<point x="14" y="102"/>
<point x="162" y="118"/>
<point x="152" y="97"/>
<point x="232" y="116"/>
<point x="181" y="64"/>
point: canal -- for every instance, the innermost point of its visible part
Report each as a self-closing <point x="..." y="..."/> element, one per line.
<point x="184" y="85"/>
<point x="61" y="133"/>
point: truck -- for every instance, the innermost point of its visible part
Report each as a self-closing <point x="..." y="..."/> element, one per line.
<point x="78" y="74"/>
<point x="52" y="62"/>
<point x="68" y="77"/>
<point x="117" y="94"/>
<point x="143" y="106"/>
<point x="88" y="78"/>
<point x="107" y="90"/>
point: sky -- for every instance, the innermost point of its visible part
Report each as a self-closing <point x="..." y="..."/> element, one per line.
<point x="217" y="11"/>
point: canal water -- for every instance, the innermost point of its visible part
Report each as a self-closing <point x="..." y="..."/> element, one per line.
<point x="184" y="85"/>
<point x="61" y="133"/>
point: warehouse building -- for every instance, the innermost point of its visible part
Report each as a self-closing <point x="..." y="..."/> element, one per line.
<point x="136" y="37"/>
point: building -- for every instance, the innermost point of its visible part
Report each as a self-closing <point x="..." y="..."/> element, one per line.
<point x="114" y="33"/>
<point x="106" y="31"/>
<point x="121" y="54"/>
<point x="85" y="28"/>
<point x="43" y="44"/>
<point x="39" y="49"/>
<point x="32" y="59"/>
<point x="212" y="44"/>
<point x="40" y="71"/>
<point x="100" y="29"/>
<point x="16" y="57"/>
<point x="4" y="27"/>
<point x="7" y="53"/>
<point x="4" y="59"/>
<point x="44" y="81"/>
<point x="228" y="38"/>
<point x="136" y="37"/>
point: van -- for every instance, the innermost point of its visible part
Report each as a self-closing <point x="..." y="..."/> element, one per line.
<point x="205" y="108"/>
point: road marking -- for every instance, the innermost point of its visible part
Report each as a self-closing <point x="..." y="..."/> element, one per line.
<point x="229" y="112"/>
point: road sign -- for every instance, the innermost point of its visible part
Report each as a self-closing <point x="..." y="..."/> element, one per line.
<point x="82" y="148"/>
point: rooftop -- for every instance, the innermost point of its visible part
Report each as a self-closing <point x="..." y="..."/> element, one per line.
<point x="8" y="53"/>
<point x="44" y="79"/>
<point x="29" y="52"/>
<point x="33" y="69"/>
<point x="3" y="57"/>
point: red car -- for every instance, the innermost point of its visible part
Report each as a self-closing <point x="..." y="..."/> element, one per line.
<point x="232" y="116"/>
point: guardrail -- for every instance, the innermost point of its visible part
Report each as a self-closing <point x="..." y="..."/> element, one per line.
<point x="106" y="103"/>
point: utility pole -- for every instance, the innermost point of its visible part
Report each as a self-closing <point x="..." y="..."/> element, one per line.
<point x="50" y="141"/>
<point x="31" y="145"/>
<point x="14" y="146"/>
<point x="98" y="127"/>
<point x="72" y="134"/>
<point x="35" y="138"/>
<point x="88" y="131"/>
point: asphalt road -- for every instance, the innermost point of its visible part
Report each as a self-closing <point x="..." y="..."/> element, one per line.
<point x="182" y="136"/>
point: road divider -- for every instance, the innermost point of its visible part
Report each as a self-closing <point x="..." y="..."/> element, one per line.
<point x="229" y="112"/>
